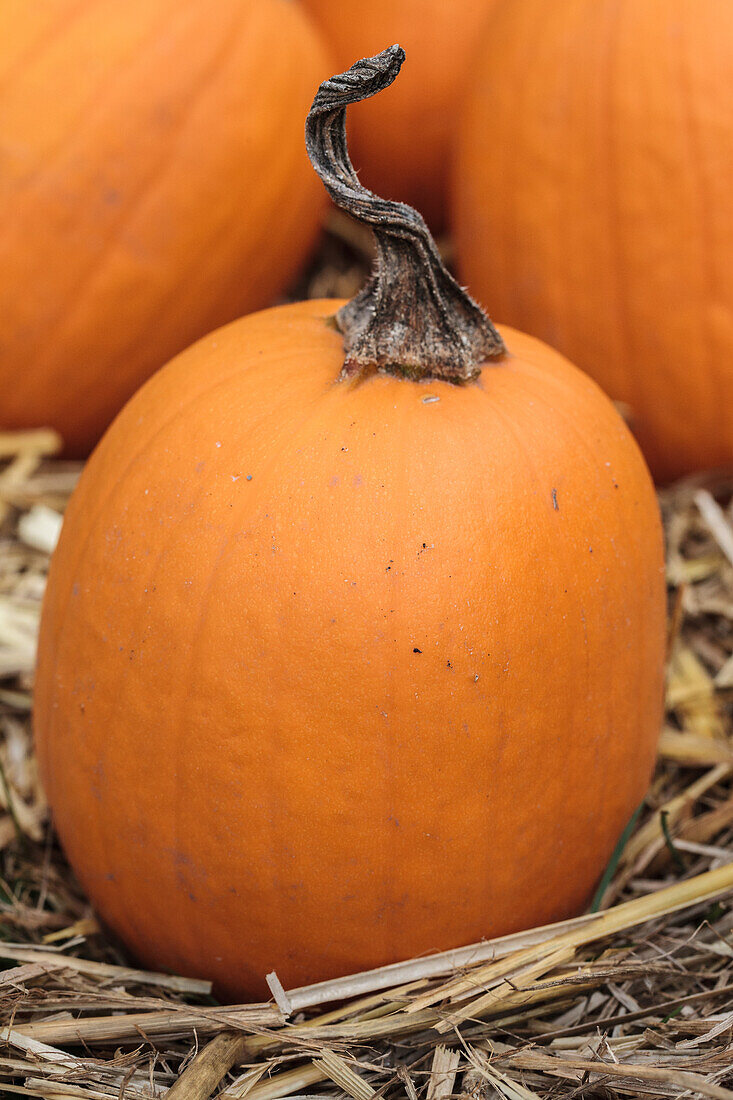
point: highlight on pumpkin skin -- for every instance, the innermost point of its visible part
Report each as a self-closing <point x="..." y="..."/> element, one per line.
<point x="411" y="319"/>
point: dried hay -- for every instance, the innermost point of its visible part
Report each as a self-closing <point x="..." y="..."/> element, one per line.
<point x="633" y="1000"/>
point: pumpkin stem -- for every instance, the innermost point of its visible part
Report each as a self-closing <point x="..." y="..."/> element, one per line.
<point x="411" y="318"/>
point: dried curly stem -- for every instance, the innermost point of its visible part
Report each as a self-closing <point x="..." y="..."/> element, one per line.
<point x="411" y="318"/>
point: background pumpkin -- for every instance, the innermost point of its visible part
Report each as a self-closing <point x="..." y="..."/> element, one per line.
<point x="402" y="143"/>
<point x="334" y="674"/>
<point x="594" y="203"/>
<point x="153" y="186"/>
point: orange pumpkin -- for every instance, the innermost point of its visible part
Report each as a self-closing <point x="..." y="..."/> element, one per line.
<point x="334" y="671"/>
<point x="402" y="145"/>
<point x="153" y="185"/>
<point x="594" y="206"/>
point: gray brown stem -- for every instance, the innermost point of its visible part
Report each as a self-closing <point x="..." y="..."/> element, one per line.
<point x="411" y="318"/>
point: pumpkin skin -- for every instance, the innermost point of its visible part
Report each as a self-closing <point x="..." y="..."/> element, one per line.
<point x="594" y="209"/>
<point x="153" y="186"/>
<point x="331" y="674"/>
<point x="402" y="142"/>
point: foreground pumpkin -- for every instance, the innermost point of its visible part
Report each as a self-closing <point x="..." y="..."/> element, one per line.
<point x="153" y="185"/>
<point x="594" y="205"/>
<point x="353" y="642"/>
<point x="402" y="146"/>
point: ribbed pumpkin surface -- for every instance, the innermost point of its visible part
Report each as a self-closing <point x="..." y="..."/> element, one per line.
<point x="331" y="674"/>
<point x="594" y="204"/>
<point x="153" y="184"/>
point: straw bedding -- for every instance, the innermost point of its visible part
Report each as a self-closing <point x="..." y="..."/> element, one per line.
<point x="635" y="999"/>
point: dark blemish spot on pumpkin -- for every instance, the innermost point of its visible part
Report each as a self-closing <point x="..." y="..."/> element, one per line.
<point x="98" y="780"/>
<point x="555" y="505"/>
<point x="75" y="588"/>
<point x="475" y="679"/>
<point x="391" y="563"/>
<point x="112" y="196"/>
<point x="430" y="399"/>
<point x="416" y="650"/>
<point x="249" y="477"/>
<point x="448" y="664"/>
<point x="110" y="877"/>
<point x="590" y="549"/>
